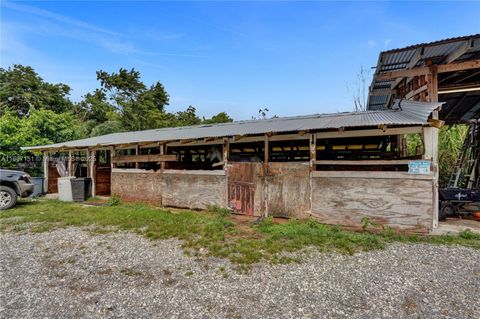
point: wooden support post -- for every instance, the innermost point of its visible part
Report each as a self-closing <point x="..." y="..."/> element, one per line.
<point x="89" y="173"/>
<point x="46" y="154"/>
<point x="113" y="153"/>
<point x="266" y="150"/>
<point x="430" y="137"/>
<point x="432" y="83"/>
<point x="93" y="175"/>
<point x="226" y="152"/>
<point x="70" y="163"/>
<point x="313" y="151"/>
<point x="162" y="152"/>
<point x="137" y="152"/>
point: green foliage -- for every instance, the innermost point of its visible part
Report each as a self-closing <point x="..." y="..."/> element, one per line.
<point x="114" y="200"/>
<point x="41" y="127"/>
<point x="221" y="117"/>
<point x="450" y="142"/>
<point x="22" y="89"/>
<point x="125" y="103"/>
<point x="223" y="212"/>
<point x="35" y="112"/>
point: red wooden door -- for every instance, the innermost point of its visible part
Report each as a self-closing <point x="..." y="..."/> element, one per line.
<point x="241" y="187"/>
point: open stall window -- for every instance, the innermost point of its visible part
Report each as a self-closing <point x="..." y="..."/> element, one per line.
<point x="289" y="151"/>
<point x="247" y="152"/>
<point x="360" y="148"/>
<point x="197" y="157"/>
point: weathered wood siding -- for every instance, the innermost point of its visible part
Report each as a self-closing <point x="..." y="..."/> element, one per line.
<point x="137" y="186"/>
<point x="288" y="189"/>
<point x="245" y="188"/>
<point x="401" y="201"/>
<point x="185" y="189"/>
<point x="280" y="189"/>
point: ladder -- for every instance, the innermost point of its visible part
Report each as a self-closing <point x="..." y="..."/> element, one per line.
<point x="466" y="169"/>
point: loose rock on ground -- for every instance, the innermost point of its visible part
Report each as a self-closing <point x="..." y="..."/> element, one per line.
<point x="70" y="273"/>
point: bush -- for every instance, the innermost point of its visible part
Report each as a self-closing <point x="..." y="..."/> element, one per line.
<point x="114" y="200"/>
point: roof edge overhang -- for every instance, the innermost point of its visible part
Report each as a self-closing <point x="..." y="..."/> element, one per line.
<point x="404" y="114"/>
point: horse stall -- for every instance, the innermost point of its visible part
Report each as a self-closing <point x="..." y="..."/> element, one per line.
<point x="341" y="169"/>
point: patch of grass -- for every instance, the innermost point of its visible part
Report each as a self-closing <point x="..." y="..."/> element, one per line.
<point x="214" y="233"/>
<point x="189" y="273"/>
<point x="114" y="200"/>
<point x="223" y="212"/>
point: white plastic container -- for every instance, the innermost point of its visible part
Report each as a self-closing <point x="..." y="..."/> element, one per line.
<point x="65" y="189"/>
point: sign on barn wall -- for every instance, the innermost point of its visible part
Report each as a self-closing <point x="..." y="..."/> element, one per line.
<point x="419" y="167"/>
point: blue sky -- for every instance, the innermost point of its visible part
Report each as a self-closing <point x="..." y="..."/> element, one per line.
<point x="292" y="57"/>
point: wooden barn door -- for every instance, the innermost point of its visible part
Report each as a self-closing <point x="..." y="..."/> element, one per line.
<point x="241" y="187"/>
<point x="103" y="170"/>
<point x="287" y="189"/>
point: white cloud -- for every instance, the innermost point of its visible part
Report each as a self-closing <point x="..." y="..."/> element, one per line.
<point x="60" y="18"/>
<point x="371" y="43"/>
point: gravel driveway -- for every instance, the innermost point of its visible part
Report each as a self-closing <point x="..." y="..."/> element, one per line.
<point x="69" y="273"/>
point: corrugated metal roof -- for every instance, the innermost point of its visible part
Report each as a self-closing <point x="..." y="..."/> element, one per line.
<point x="436" y="42"/>
<point x="408" y="113"/>
<point x="399" y="59"/>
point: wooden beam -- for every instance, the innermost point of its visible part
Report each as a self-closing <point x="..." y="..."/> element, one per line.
<point x="313" y="151"/>
<point x="417" y="57"/>
<point x="238" y="137"/>
<point x="218" y="164"/>
<point x="113" y="154"/>
<point x="266" y="149"/>
<point x="362" y="162"/>
<point x="432" y="83"/>
<point x="371" y="132"/>
<point x="382" y="92"/>
<point x="70" y="163"/>
<point x="430" y="138"/>
<point x="137" y="152"/>
<point x="93" y="174"/>
<point x="45" y="170"/>
<point x="371" y="174"/>
<point x="386" y="76"/>
<point x="145" y="158"/>
<point x="415" y="92"/>
<point x="436" y="123"/>
<point x="460" y="90"/>
<point x="442" y="68"/>
<point x="225" y="150"/>
<point x="162" y="152"/>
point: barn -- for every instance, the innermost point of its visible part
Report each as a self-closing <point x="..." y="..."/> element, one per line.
<point x="336" y="168"/>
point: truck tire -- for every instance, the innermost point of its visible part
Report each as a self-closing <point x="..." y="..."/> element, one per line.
<point x="446" y="210"/>
<point x="8" y="197"/>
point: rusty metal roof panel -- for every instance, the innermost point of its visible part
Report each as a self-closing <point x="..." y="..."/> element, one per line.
<point x="404" y="113"/>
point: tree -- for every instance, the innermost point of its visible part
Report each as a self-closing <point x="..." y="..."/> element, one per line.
<point x="359" y="90"/>
<point x="221" y="117"/>
<point x="139" y="107"/>
<point x="40" y="127"/>
<point x="124" y="103"/>
<point x="22" y="89"/>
